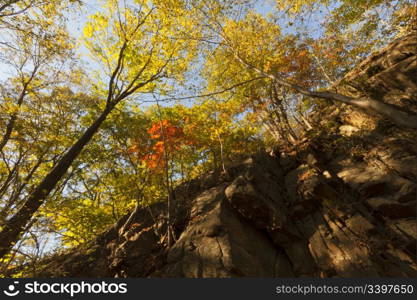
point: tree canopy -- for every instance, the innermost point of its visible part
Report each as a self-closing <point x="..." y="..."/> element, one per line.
<point x="147" y="94"/>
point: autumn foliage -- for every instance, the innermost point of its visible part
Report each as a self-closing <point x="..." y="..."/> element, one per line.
<point x="79" y="149"/>
<point x="164" y="139"/>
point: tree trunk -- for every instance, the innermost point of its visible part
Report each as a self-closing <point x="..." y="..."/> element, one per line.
<point x="13" y="118"/>
<point x="14" y="227"/>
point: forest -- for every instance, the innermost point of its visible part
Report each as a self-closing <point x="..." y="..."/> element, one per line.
<point x="108" y="106"/>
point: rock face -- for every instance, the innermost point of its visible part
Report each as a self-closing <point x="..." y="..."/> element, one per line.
<point x="342" y="204"/>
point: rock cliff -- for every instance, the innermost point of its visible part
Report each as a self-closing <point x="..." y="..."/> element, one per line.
<point x="342" y="203"/>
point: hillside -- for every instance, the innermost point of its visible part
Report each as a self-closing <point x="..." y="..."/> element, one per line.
<point x="340" y="203"/>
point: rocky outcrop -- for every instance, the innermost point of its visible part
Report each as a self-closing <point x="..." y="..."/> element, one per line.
<point x="269" y="217"/>
<point x="341" y="204"/>
<point x="388" y="75"/>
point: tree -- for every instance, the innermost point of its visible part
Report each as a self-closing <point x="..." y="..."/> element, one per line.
<point x="266" y="43"/>
<point x="139" y="52"/>
<point x="35" y="48"/>
<point x="36" y="57"/>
